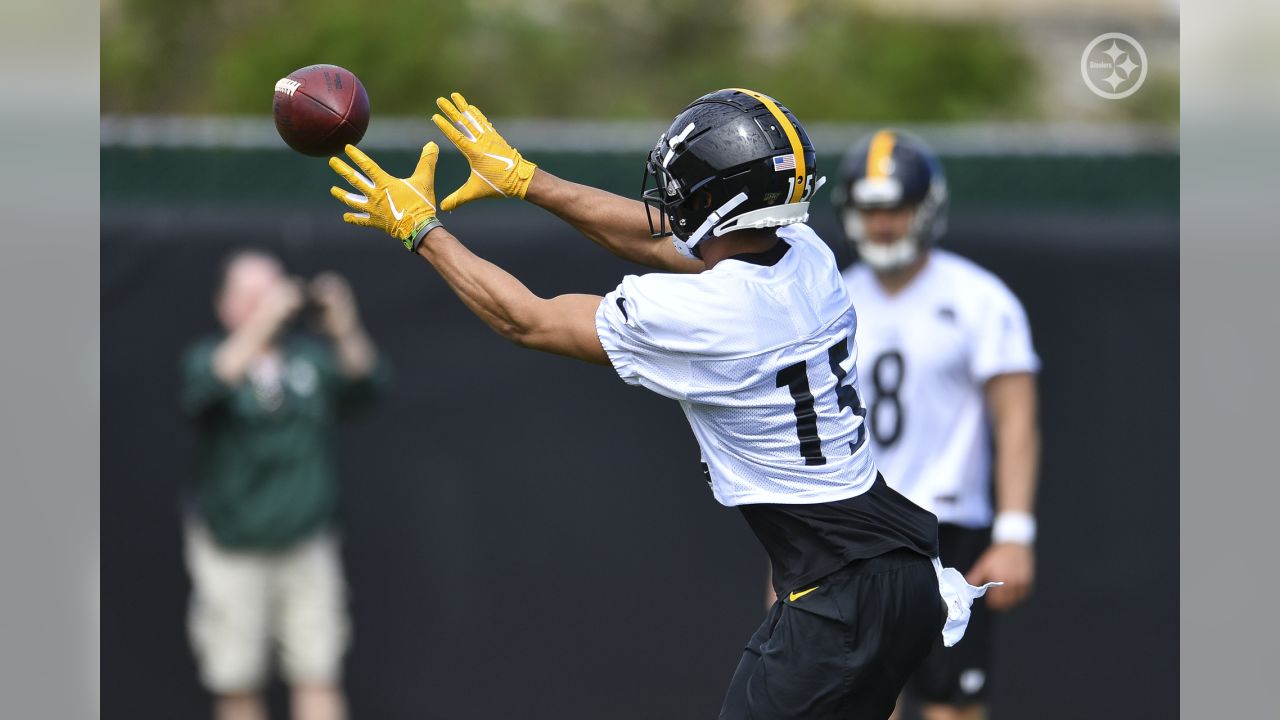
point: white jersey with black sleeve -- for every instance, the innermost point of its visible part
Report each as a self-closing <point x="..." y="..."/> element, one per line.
<point x="760" y="353"/>
<point x="927" y="354"/>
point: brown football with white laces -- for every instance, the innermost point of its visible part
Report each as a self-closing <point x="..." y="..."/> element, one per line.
<point x="319" y="109"/>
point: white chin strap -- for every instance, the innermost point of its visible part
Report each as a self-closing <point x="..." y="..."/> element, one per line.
<point x="891" y="257"/>
<point x="775" y="216"/>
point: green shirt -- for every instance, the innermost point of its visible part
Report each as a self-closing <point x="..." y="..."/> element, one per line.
<point x="266" y="475"/>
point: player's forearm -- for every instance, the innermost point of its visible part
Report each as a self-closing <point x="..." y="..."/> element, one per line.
<point x="1014" y="402"/>
<point x="493" y="294"/>
<point x="618" y="224"/>
<point x="1017" y="466"/>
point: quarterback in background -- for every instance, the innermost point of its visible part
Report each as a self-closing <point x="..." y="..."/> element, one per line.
<point x="947" y="367"/>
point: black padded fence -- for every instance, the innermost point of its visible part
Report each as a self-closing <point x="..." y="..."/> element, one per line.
<point x="528" y="537"/>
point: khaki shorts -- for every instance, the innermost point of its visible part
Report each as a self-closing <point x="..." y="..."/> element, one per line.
<point x="245" y="602"/>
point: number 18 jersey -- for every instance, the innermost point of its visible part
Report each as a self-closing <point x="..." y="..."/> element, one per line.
<point x="927" y="354"/>
<point x="760" y="353"/>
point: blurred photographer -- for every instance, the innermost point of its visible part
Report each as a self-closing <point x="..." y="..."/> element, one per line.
<point x="260" y="542"/>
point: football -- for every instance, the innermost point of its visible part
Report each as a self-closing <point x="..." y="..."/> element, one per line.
<point x="319" y="109"/>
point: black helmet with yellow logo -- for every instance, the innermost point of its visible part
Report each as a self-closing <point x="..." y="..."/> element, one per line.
<point x="892" y="169"/>
<point x="732" y="160"/>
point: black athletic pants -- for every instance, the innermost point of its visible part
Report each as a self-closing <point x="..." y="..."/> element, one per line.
<point x="842" y="647"/>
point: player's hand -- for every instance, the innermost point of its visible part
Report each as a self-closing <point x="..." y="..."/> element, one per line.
<point x="400" y="207"/>
<point x="1012" y="563"/>
<point x="497" y="169"/>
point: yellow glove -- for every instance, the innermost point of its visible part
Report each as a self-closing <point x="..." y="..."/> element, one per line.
<point x="404" y="208"/>
<point x="497" y="170"/>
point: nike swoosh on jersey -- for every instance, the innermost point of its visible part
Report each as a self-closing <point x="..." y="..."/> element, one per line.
<point x="797" y="595"/>
<point x="397" y="214"/>
<point x="510" y="163"/>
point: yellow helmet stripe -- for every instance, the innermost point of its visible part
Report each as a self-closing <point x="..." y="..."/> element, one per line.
<point x="797" y="149"/>
<point x="879" y="153"/>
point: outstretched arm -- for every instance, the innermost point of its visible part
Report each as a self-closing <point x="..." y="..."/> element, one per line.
<point x="498" y="170"/>
<point x="618" y="224"/>
<point x="405" y="208"/>
<point x="564" y="325"/>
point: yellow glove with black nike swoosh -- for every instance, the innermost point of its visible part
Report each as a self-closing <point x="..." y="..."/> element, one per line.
<point x="404" y="208"/>
<point x="497" y="169"/>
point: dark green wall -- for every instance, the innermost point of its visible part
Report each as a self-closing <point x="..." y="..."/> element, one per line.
<point x="1101" y="184"/>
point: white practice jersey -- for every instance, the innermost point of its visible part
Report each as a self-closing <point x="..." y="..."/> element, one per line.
<point x="760" y="353"/>
<point x="927" y="353"/>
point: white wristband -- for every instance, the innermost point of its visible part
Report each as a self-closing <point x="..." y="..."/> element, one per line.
<point x="1014" y="527"/>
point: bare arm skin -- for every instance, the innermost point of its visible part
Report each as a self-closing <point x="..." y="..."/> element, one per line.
<point x="1012" y="401"/>
<point x="564" y="325"/>
<point x="618" y="224"/>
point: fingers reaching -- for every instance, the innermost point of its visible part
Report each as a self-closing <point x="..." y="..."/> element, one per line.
<point x="426" y="169"/>
<point x="451" y="131"/>
<point x="366" y="164"/>
<point x="455" y="116"/>
<point x="357" y="180"/>
<point x="472" y="114"/>
<point x="355" y="201"/>
<point x="484" y="121"/>
<point x="360" y="219"/>
<point x="468" y="128"/>
<point x="449" y="109"/>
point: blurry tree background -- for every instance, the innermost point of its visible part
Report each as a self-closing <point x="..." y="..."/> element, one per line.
<point x="556" y="58"/>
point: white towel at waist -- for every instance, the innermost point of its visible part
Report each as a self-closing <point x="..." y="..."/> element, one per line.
<point x="959" y="596"/>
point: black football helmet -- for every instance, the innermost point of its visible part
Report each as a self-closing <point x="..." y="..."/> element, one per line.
<point x="892" y="169"/>
<point x="733" y="159"/>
